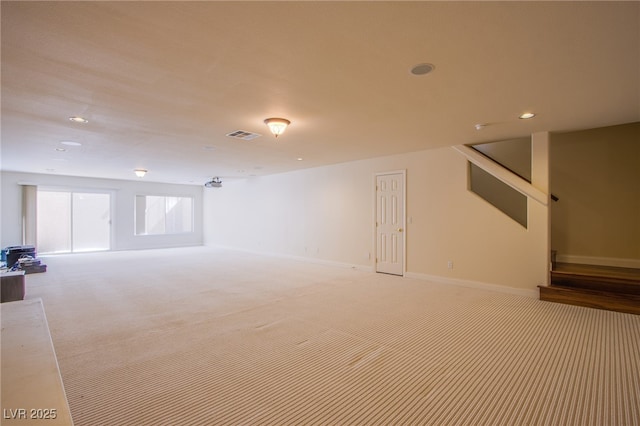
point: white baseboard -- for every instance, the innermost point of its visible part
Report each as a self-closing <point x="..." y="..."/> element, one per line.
<point x="601" y="261"/>
<point x="323" y="262"/>
<point x="315" y="260"/>
<point x="533" y="293"/>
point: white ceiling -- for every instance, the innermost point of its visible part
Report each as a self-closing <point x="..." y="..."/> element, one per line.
<point x="161" y="82"/>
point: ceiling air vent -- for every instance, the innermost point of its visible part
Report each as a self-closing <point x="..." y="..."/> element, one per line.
<point x="245" y="136"/>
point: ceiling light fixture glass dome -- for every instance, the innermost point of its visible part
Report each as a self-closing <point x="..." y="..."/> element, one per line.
<point x="277" y="125"/>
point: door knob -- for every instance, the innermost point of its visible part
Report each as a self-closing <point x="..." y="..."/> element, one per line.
<point x="399" y="229"/>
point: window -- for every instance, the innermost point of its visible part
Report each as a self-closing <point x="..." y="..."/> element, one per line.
<point x="73" y="221"/>
<point x="158" y="215"/>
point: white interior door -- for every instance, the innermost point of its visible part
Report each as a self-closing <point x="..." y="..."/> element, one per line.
<point x="390" y="223"/>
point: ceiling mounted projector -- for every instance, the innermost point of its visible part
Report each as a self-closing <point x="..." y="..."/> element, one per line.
<point x="214" y="183"/>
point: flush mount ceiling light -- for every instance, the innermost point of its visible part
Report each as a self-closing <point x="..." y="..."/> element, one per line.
<point x="140" y="172"/>
<point x="71" y="143"/>
<point x="77" y="119"/>
<point x="277" y="125"/>
<point x="422" y="69"/>
<point x="526" y="115"/>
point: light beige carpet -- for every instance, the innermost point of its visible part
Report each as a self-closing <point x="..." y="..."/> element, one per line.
<point x="201" y="336"/>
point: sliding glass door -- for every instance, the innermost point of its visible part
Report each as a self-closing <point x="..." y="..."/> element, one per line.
<point x="71" y="222"/>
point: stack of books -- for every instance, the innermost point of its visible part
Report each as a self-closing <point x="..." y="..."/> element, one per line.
<point x="31" y="265"/>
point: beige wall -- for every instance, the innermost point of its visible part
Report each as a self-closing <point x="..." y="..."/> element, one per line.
<point x="596" y="175"/>
<point x="327" y="213"/>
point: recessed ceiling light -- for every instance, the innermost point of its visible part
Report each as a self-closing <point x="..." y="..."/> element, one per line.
<point x="480" y="126"/>
<point x="208" y="148"/>
<point x="77" y="119"/>
<point x="299" y="158"/>
<point x="60" y="149"/>
<point x="527" y="115"/>
<point x="71" y="143"/>
<point x="422" y="69"/>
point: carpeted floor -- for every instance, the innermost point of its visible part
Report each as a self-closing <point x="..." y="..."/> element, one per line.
<point x="202" y="336"/>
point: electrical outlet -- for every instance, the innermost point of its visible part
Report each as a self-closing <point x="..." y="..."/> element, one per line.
<point x="450" y="264"/>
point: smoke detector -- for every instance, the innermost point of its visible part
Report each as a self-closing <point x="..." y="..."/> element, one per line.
<point x="214" y="183"/>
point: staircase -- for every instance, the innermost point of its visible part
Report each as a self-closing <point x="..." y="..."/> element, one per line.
<point x="600" y="287"/>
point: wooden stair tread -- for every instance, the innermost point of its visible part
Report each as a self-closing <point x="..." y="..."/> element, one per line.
<point x="594" y="286"/>
<point x="600" y="283"/>
<point x="599" y="299"/>
<point x="612" y="272"/>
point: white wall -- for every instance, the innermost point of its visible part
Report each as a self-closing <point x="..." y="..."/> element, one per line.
<point x="123" y="200"/>
<point x="328" y="213"/>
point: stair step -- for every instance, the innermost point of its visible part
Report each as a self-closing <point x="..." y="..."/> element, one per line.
<point x="622" y="285"/>
<point x="627" y="303"/>
<point x="595" y="277"/>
